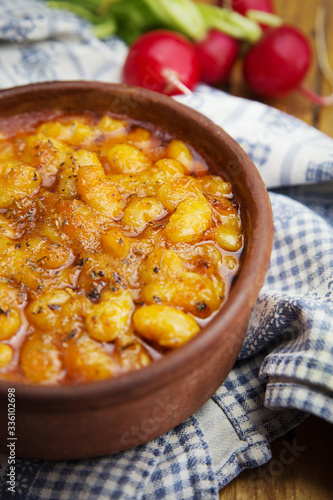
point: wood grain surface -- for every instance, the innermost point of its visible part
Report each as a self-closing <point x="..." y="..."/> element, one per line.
<point x="309" y="476"/>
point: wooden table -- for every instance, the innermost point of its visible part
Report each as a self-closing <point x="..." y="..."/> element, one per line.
<point x="310" y="475"/>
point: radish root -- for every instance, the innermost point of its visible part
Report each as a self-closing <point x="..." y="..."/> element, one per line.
<point x="171" y="76"/>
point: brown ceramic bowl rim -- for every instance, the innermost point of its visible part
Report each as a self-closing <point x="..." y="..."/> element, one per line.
<point x="159" y="373"/>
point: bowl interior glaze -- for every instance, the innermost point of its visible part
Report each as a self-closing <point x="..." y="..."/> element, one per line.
<point x="71" y="422"/>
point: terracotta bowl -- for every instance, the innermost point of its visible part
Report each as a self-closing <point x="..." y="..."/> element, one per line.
<point x="72" y="422"/>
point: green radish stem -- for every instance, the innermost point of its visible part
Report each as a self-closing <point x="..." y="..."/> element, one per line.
<point x="265" y="18"/>
<point x="230" y="22"/>
<point x="182" y="15"/>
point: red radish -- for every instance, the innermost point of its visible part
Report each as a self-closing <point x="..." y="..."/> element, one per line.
<point x="163" y="61"/>
<point x="278" y="63"/>
<point x="216" y="55"/>
<point x="242" y="6"/>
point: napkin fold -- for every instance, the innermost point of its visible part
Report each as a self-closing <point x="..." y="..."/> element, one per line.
<point x="285" y="368"/>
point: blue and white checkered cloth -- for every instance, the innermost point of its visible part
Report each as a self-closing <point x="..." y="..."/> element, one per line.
<point x="285" y="369"/>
